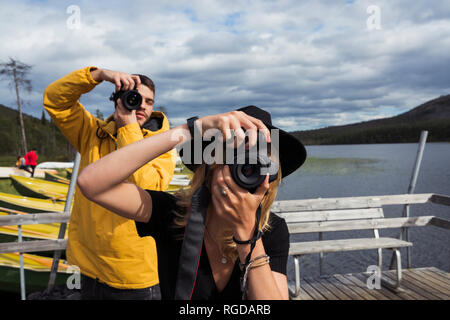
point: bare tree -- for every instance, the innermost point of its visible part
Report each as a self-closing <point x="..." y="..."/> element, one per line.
<point x="17" y="72"/>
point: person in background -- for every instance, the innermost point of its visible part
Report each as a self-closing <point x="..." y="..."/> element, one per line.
<point x="20" y="163"/>
<point x="115" y="263"/>
<point x="31" y="161"/>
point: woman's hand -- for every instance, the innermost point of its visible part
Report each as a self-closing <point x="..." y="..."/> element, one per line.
<point x="234" y="204"/>
<point x="234" y="122"/>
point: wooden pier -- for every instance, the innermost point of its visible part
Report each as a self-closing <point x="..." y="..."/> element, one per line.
<point x="319" y="216"/>
<point x="417" y="284"/>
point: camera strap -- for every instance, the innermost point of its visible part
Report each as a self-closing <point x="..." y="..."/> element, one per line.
<point x="192" y="243"/>
<point x="256" y="235"/>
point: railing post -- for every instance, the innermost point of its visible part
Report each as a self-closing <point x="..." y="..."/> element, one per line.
<point x="411" y="188"/>
<point x="22" y="271"/>
<point x="62" y="228"/>
<point x="320" y="256"/>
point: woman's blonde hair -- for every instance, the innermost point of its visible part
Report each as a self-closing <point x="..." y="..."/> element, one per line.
<point x="227" y="245"/>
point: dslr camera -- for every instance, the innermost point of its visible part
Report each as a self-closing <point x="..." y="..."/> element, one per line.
<point x="249" y="171"/>
<point x="131" y="99"/>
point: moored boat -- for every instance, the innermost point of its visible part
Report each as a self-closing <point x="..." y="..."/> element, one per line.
<point x="37" y="271"/>
<point x="39" y="188"/>
<point x="29" y="204"/>
<point x="55" y="178"/>
<point x="5" y="172"/>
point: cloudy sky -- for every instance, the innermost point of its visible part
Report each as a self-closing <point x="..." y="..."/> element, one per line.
<point x="310" y="63"/>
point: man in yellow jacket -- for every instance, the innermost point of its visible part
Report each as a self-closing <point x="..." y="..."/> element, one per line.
<point x="115" y="262"/>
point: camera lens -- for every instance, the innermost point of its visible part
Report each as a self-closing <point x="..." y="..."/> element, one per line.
<point x="247" y="176"/>
<point x="132" y="99"/>
<point x="248" y="170"/>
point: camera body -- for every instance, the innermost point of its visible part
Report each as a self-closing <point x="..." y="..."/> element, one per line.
<point x="250" y="172"/>
<point x="131" y="99"/>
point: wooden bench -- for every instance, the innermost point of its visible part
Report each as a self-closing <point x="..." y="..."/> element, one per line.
<point x="346" y="214"/>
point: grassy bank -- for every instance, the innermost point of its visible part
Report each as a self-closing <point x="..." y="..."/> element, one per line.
<point x="6" y="186"/>
<point x="337" y="166"/>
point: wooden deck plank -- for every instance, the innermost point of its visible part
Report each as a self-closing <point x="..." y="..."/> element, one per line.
<point x="315" y="283"/>
<point x="362" y="284"/>
<point x="334" y="289"/>
<point x="384" y="291"/>
<point x="311" y="291"/>
<point x="354" y="287"/>
<point x="435" y="282"/>
<point x="404" y="292"/>
<point x="424" y="282"/>
<point x="302" y="295"/>
<point x="417" y="284"/>
<point x="443" y="278"/>
<point x="343" y="288"/>
<point x="443" y="274"/>
<point x="412" y="287"/>
<point x="409" y="288"/>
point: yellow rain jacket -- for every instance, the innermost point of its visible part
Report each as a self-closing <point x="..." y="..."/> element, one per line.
<point x="102" y="244"/>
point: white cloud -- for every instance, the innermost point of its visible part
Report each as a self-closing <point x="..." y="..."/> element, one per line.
<point x="310" y="63"/>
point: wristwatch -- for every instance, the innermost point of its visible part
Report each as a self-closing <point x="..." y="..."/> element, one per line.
<point x="191" y="125"/>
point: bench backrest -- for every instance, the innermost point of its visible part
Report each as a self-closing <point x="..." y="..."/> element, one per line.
<point x="330" y="220"/>
<point x="340" y="214"/>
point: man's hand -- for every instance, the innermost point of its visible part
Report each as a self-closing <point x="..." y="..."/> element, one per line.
<point x="123" y="116"/>
<point x="122" y="80"/>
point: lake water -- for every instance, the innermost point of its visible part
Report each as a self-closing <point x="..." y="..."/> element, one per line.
<point x="367" y="170"/>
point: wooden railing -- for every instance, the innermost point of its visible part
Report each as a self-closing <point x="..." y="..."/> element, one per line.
<point x="287" y="207"/>
<point x="284" y="206"/>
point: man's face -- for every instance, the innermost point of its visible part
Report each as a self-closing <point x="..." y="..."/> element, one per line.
<point x="145" y="111"/>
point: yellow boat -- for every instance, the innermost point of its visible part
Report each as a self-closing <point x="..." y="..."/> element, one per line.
<point x="29" y="204"/>
<point x="36" y="231"/>
<point x="37" y="272"/>
<point x="55" y="178"/>
<point x="39" y="188"/>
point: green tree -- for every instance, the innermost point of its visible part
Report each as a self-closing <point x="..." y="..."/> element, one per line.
<point x="17" y="72"/>
<point x="43" y="120"/>
<point x="99" y="114"/>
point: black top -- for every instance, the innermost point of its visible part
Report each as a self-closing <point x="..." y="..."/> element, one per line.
<point x="169" y="241"/>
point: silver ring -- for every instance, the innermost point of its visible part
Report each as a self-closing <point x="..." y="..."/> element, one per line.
<point x="223" y="191"/>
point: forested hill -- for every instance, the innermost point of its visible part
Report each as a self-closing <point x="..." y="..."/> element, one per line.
<point x="41" y="134"/>
<point x="433" y="116"/>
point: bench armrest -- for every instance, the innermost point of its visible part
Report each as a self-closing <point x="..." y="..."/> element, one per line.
<point x="440" y="199"/>
<point x="439" y="222"/>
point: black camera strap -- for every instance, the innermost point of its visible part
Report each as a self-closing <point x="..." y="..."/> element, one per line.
<point x="256" y="235"/>
<point x="192" y="243"/>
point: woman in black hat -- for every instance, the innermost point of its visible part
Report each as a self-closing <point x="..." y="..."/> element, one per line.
<point x="244" y="247"/>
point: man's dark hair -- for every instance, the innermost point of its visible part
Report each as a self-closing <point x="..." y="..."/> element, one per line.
<point x="147" y="82"/>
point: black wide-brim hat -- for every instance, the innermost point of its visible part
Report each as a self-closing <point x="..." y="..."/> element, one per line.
<point x="291" y="151"/>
